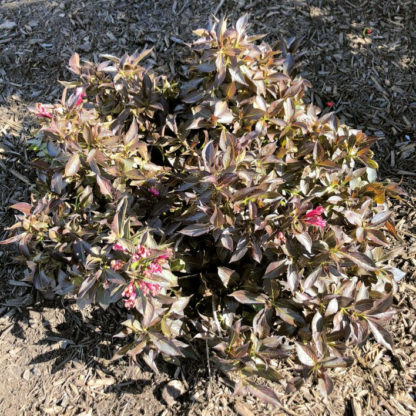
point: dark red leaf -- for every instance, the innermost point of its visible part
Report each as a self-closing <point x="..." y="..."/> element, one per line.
<point x="23" y="207"/>
<point x="245" y="297"/>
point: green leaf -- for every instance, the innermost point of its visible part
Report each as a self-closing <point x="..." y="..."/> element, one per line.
<point x="208" y="154"/>
<point x="131" y="133"/>
<point x="334" y="362"/>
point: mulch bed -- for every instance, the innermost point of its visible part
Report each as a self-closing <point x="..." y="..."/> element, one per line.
<point x="360" y="58"/>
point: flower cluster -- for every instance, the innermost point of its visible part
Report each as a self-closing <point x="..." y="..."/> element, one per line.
<point x="76" y="99"/>
<point x="129" y="295"/>
<point x="145" y="265"/>
<point x="149" y="288"/>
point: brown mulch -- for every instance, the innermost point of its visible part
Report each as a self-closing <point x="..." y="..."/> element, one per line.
<point x="55" y="357"/>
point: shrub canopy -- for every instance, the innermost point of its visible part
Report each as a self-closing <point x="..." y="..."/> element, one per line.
<point x="217" y="206"/>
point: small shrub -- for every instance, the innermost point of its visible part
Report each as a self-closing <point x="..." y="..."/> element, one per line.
<point x="216" y="206"/>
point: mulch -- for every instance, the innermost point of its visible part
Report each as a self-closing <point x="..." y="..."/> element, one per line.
<point x="360" y="58"/>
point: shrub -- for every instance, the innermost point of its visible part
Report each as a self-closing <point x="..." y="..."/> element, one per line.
<point x="218" y="207"/>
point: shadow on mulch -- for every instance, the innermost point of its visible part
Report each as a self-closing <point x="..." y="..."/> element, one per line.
<point x="85" y="339"/>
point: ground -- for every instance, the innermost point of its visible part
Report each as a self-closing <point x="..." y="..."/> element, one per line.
<point x="359" y="55"/>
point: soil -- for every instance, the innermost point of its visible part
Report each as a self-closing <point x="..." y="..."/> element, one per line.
<point x="359" y="55"/>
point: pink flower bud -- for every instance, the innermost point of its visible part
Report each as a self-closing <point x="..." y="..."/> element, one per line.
<point x="120" y="247"/>
<point x="41" y="111"/>
<point x="319" y="210"/>
<point x="129" y="303"/>
<point x="155" y="268"/>
<point x="79" y="92"/>
<point x="163" y="258"/>
<point x="143" y="287"/>
<point x="143" y="251"/>
<point x="129" y="293"/>
<point x="313" y="217"/>
<point x="154" y="191"/>
<point x="116" y="264"/>
<point x="128" y="290"/>
<point x="152" y="288"/>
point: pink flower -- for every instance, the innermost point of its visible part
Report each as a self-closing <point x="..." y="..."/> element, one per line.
<point x="330" y="104"/>
<point x="41" y="111"/>
<point x="129" y="293"/>
<point x="153" y="190"/>
<point x="152" y="288"/>
<point x="281" y="237"/>
<point x="116" y="264"/>
<point x="163" y="258"/>
<point x="120" y="247"/>
<point x="129" y="303"/>
<point x="143" y="287"/>
<point x="155" y="268"/>
<point x="313" y="217"/>
<point x="128" y="290"/>
<point x="135" y="257"/>
<point x="319" y="210"/>
<point x="143" y="251"/>
<point x="79" y="92"/>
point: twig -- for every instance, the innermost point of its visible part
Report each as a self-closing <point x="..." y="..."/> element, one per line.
<point x="209" y="371"/>
<point x="411" y="287"/>
<point x="15" y="173"/>
<point x="408" y="234"/>
<point x="217" y="9"/>
<point x="185" y="5"/>
<point x="214" y="313"/>
<point x="405" y="172"/>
